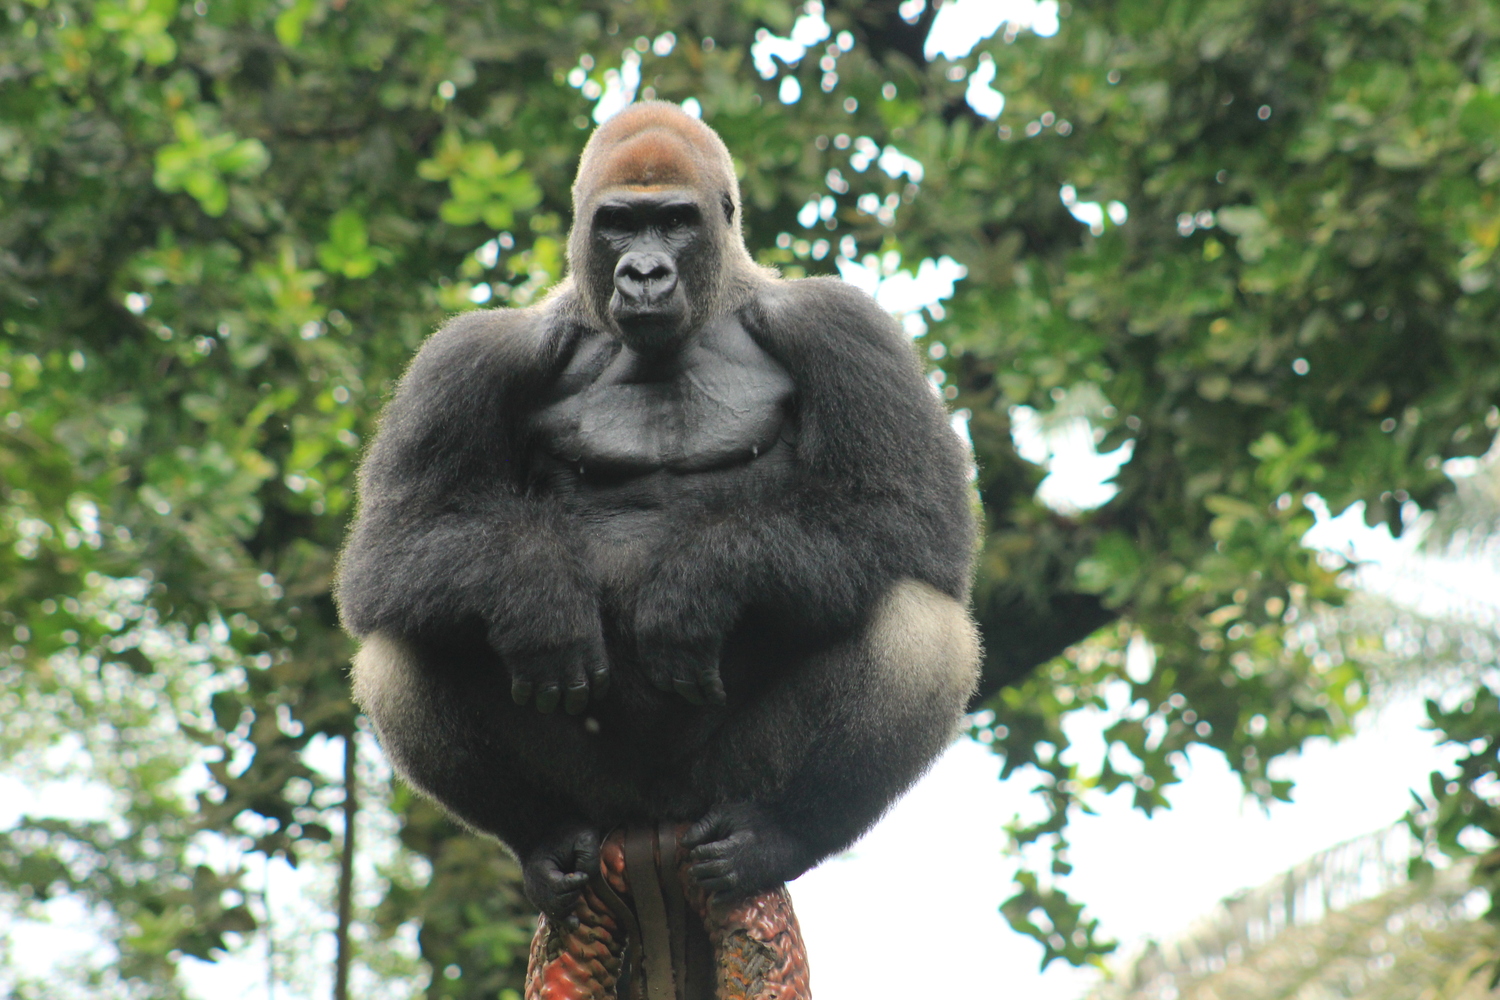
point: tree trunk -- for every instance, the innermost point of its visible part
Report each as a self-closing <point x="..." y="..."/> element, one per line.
<point x="345" y="955"/>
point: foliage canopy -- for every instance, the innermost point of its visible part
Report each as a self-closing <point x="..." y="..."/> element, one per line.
<point x="1255" y="242"/>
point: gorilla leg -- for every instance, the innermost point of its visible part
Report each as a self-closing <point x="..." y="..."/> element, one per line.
<point x="827" y="751"/>
<point x="441" y="737"/>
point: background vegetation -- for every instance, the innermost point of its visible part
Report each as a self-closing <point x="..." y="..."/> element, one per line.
<point x="1251" y="241"/>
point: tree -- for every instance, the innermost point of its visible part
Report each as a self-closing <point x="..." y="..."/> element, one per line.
<point x="1343" y="923"/>
<point x="1254" y="241"/>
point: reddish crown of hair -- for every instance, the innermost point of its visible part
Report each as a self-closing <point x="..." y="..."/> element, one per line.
<point x="654" y="145"/>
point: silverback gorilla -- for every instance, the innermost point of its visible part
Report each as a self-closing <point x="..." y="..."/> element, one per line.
<point x="717" y="517"/>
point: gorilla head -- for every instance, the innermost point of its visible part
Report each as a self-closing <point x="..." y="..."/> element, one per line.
<point x="655" y="238"/>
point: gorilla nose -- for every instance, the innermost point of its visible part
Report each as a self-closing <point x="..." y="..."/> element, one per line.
<point x="644" y="278"/>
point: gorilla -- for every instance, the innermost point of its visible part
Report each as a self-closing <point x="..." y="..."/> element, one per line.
<point x="719" y="518"/>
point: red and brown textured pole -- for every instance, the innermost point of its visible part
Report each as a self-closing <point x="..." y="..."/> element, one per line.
<point x="752" y="947"/>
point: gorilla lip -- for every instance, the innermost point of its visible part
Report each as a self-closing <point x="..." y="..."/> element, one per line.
<point x="652" y="319"/>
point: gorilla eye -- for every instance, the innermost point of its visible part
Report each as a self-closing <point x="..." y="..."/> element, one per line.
<point x="677" y="218"/>
<point x="613" y="219"/>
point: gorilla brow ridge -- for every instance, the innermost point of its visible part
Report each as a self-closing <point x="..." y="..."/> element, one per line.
<point x="655" y="158"/>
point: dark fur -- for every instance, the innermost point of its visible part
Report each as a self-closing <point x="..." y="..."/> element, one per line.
<point x="474" y="562"/>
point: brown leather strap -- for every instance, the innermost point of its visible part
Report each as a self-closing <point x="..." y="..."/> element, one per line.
<point x="641" y="870"/>
<point x="666" y="838"/>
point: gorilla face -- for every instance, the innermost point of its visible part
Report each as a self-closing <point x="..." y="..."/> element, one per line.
<point x="652" y="244"/>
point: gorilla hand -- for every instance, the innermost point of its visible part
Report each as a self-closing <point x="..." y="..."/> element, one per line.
<point x="737" y="850"/>
<point x="554" y="874"/>
<point x="690" y="669"/>
<point x="679" y="636"/>
<point x="566" y="668"/>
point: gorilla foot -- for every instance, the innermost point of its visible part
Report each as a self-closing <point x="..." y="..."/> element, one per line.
<point x="737" y="850"/>
<point x="753" y="951"/>
<point x="567" y="675"/>
<point x="690" y="670"/>
<point x="555" y="873"/>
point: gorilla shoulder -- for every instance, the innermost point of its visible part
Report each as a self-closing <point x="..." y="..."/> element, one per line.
<point x="513" y="339"/>
<point x="828" y="309"/>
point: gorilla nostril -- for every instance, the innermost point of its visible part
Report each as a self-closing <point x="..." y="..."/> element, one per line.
<point x="645" y="276"/>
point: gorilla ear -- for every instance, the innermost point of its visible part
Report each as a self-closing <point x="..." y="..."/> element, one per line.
<point x="728" y="204"/>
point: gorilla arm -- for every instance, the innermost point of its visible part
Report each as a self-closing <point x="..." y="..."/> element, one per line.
<point x="445" y="535"/>
<point x="871" y="548"/>
<point x="881" y="494"/>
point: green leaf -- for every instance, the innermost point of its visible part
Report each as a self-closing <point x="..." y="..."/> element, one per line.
<point x="1248" y="223"/>
<point x="291" y="22"/>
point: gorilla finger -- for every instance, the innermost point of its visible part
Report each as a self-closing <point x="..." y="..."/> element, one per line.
<point x="707" y="830"/>
<point x="520" y="691"/>
<point x="577" y="698"/>
<point x="571" y="673"/>
<point x="559" y="896"/>
<point x="700" y="834"/>
<point x="599" y="688"/>
<point x="586" y="852"/>
<point x="569" y="883"/>
<point x="561" y="910"/>
<point x="713" y="687"/>
<point x="547" y="699"/>
<point x="710" y="869"/>
<point x="599" y="681"/>
<point x="719" y="885"/>
<point x="714" y="850"/>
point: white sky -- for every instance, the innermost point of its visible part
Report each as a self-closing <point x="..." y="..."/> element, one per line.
<point x="927" y="882"/>
<point x="929" y="879"/>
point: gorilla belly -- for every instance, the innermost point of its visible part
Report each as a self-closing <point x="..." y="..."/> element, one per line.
<point x="631" y="518"/>
<point x="630" y="521"/>
<point x="638" y="456"/>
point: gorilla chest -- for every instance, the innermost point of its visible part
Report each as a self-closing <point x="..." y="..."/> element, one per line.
<point x="633" y="432"/>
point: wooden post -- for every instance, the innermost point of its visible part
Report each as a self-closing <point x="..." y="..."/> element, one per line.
<point x="646" y="933"/>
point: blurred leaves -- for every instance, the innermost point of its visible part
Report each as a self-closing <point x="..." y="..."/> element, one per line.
<point x="142" y="27"/>
<point x="347" y="249"/>
<point x="486" y="186"/>
<point x="200" y="164"/>
<point x="1345" y="923"/>
<point x="1298" y="303"/>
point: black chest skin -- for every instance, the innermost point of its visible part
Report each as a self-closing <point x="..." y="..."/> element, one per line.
<point x="637" y="449"/>
<point x="637" y="453"/>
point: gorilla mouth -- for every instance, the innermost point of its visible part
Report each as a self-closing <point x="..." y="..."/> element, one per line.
<point x="651" y="325"/>
<point x="660" y="308"/>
